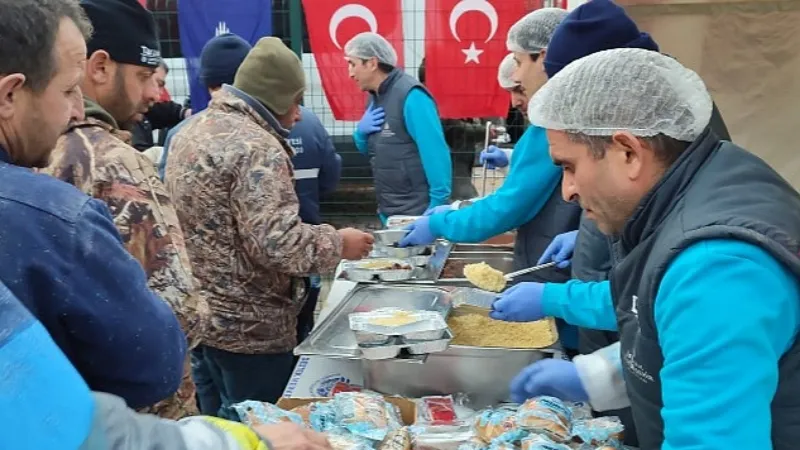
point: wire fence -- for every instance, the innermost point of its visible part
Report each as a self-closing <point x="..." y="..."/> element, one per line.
<point x="353" y="204"/>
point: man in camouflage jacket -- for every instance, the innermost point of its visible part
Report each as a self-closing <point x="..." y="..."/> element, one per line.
<point x="95" y="155"/>
<point x="230" y="175"/>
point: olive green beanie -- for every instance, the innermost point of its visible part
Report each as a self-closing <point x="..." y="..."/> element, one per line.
<point x="272" y="74"/>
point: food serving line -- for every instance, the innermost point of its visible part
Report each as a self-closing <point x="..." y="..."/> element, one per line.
<point x="405" y="357"/>
<point x="419" y="279"/>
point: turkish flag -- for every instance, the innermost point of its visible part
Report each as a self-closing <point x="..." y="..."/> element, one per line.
<point x="331" y="23"/>
<point x="465" y="41"/>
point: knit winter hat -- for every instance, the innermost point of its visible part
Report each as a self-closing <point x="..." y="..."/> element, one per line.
<point x="124" y="29"/>
<point x="594" y="26"/>
<point x="221" y="58"/>
<point x="272" y="74"/>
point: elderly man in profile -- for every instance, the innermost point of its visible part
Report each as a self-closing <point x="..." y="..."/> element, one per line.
<point x="703" y="230"/>
<point x="66" y="261"/>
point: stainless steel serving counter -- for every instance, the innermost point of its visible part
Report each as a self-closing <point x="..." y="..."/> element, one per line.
<point x="484" y="373"/>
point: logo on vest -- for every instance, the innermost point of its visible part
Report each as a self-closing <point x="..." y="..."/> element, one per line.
<point x="637" y="369"/>
<point x="635" y="306"/>
<point x="386" y="132"/>
<point x="297" y="144"/>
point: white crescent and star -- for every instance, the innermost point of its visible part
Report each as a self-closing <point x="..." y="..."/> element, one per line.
<point x="348" y="11"/>
<point x="482" y="6"/>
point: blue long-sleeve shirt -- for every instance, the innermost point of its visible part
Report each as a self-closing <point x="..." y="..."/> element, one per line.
<point x="530" y="182"/>
<point x="423" y="124"/>
<point x="722" y="306"/>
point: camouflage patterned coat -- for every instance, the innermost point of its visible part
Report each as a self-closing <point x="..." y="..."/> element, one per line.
<point x="94" y="155"/>
<point x="230" y="174"/>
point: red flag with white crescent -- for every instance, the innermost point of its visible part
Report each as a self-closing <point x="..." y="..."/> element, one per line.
<point x="465" y="41"/>
<point x="331" y="23"/>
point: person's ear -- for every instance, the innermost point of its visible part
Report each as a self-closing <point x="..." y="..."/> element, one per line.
<point x="11" y="87"/>
<point x="627" y="151"/>
<point x="99" y="67"/>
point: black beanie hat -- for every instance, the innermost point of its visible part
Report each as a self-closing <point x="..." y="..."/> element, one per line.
<point x="221" y="58"/>
<point x="124" y="29"/>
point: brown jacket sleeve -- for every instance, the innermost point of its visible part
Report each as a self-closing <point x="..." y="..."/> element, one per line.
<point x="103" y="166"/>
<point x="265" y="207"/>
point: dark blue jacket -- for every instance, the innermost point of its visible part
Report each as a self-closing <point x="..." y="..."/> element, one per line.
<point x="317" y="166"/>
<point x="64" y="260"/>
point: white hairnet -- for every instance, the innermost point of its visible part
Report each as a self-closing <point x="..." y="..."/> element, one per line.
<point x="507" y="67"/>
<point x="532" y="33"/>
<point x="371" y="45"/>
<point x="630" y="89"/>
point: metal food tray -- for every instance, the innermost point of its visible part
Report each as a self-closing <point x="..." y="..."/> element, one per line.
<point x="395" y="346"/>
<point x="356" y="272"/>
<point x="333" y="337"/>
<point x="400" y="221"/>
<point x="426" y="269"/>
<point x="502" y="261"/>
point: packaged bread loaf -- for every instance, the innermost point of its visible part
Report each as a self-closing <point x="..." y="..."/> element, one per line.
<point x="366" y="415"/>
<point x="491" y="423"/>
<point x="546" y="415"/>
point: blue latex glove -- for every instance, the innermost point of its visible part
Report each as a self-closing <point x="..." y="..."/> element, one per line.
<point x="521" y="303"/>
<point x="420" y="234"/>
<point x="560" y="250"/>
<point x="493" y="157"/>
<point x="371" y="121"/>
<point x="553" y="377"/>
<point x="437" y="210"/>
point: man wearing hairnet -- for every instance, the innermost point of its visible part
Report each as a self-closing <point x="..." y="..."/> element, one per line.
<point x="494" y="156"/>
<point x="705" y="292"/>
<point x="400" y="131"/>
<point x="529" y="199"/>
<point x="592" y="27"/>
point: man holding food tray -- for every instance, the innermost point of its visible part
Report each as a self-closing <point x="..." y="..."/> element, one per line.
<point x="240" y="214"/>
<point x="704" y="230"/>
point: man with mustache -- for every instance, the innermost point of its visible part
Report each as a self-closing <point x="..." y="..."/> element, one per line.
<point x="95" y="155"/>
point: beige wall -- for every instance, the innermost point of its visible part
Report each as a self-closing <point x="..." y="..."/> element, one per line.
<point x="748" y="53"/>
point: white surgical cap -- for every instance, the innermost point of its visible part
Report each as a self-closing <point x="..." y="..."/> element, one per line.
<point x="630" y="89"/>
<point x="371" y="45"/>
<point x="507" y="67"/>
<point x="532" y="33"/>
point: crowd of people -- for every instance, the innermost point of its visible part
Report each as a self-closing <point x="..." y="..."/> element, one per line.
<point x="140" y="301"/>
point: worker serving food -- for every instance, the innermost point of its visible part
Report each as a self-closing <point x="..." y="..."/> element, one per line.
<point x="705" y="229"/>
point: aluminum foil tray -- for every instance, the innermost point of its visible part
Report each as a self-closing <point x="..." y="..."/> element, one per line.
<point x="426" y="268"/>
<point x="333" y="337"/>
<point x="396" y="345"/>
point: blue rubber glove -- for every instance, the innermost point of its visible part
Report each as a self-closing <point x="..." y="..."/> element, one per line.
<point x="437" y="210"/>
<point x="493" y="157"/>
<point x="560" y="250"/>
<point x="521" y="303"/>
<point x="420" y="234"/>
<point x="553" y="377"/>
<point x="371" y="121"/>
